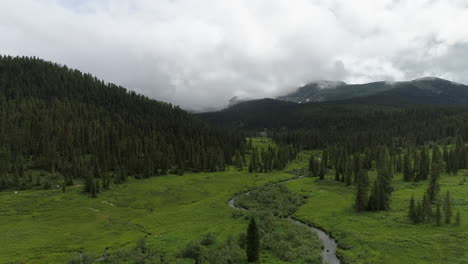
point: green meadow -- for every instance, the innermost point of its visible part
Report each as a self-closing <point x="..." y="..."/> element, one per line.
<point x="386" y="236"/>
<point x="48" y="226"/>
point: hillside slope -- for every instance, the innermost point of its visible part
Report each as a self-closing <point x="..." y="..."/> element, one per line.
<point x="61" y="120"/>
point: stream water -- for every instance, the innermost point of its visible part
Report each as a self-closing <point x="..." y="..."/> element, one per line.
<point x="329" y="244"/>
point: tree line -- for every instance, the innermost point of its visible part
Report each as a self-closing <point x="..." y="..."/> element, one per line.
<point x="75" y="126"/>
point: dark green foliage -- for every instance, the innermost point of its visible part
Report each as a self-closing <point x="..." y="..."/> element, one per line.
<point x="271" y="158"/>
<point x="379" y="198"/>
<point x="265" y="204"/>
<point x="413" y="210"/>
<point x="362" y="191"/>
<point x="141" y="245"/>
<point x="253" y="242"/>
<point x="275" y="198"/>
<point x="57" y="119"/>
<point x="422" y="211"/>
<point x="438" y="214"/>
<point x="139" y="254"/>
<point x="434" y="186"/>
<point x="408" y="172"/>
<point x="228" y="252"/>
<point x="314" y="166"/>
<point x="209" y="239"/>
<point x="195" y="251"/>
<point x="447" y="208"/>
<point x="82" y="258"/>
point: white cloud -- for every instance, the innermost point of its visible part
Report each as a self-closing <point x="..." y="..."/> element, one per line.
<point x="199" y="53"/>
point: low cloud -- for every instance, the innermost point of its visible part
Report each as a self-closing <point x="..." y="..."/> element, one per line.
<point x="200" y="53"/>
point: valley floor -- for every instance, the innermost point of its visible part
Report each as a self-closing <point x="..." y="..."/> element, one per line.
<point x="51" y="226"/>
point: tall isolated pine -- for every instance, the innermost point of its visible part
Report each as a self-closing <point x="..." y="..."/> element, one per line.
<point x="253" y="242"/>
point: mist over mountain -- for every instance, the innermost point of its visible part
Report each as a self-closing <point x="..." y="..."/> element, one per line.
<point x="426" y="90"/>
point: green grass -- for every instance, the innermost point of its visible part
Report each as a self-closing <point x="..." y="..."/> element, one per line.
<point x="39" y="226"/>
<point x="385" y="237"/>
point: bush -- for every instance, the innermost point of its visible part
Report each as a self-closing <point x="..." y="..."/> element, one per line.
<point x="141" y="244"/>
<point x="209" y="239"/>
<point x="193" y="250"/>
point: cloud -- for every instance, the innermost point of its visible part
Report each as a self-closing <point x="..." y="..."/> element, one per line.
<point x="200" y="53"/>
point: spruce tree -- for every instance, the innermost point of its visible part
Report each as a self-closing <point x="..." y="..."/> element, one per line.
<point x="434" y="186"/>
<point x="412" y="213"/>
<point x="407" y="168"/>
<point x="447" y="208"/>
<point x="438" y="214"/>
<point x="322" y="171"/>
<point x="362" y="191"/>
<point x="383" y="184"/>
<point x="253" y="242"/>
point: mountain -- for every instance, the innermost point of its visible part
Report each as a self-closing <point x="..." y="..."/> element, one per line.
<point x="322" y="91"/>
<point x="361" y="102"/>
<point x="66" y="122"/>
<point x="428" y="90"/>
<point x="423" y="91"/>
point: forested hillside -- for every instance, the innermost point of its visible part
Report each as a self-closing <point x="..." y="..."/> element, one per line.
<point x="350" y="124"/>
<point x="65" y="122"/>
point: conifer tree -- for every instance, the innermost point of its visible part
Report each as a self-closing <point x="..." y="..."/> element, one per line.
<point x="407" y="168"/>
<point x="322" y="171"/>
<point x="382" y="188"/>
<point x="427" y="213"/>
<point x="362" y="191"/>
<point x="438" y="214"/>
<point x="447" y="208"/>
<point x="434" y="186"/>
<point x="253" y="242"/>
<point x="412" y="210"/>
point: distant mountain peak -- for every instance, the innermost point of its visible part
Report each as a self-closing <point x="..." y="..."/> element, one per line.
<point x="321" y="91"/>
<point x="325" y="84"/>
<point x="427" y="78"/>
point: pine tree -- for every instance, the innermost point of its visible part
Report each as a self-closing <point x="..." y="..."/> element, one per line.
<point x="313" y="167"/>
<point x="382" y="188"/>
<point x="412" y="213"/>
<point x="427" y="213"/>
<point x="434" y="186"/>
<point x="322" y="171"/>
<point x="362" y="191"/>
<point x="4" y="166"/>
<point x="253" y="242"/>
<point x="438" y="214"/>
<point x="407" y="168"/>
<point x="447" y="208"/>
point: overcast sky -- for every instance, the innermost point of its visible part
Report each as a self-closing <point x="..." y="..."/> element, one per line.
<point x="200" y="53"/>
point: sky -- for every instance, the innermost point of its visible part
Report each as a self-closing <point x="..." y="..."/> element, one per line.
<point x="200" y="53"/>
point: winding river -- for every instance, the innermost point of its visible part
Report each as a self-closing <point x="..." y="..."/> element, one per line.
<point x="329" y="244"/>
